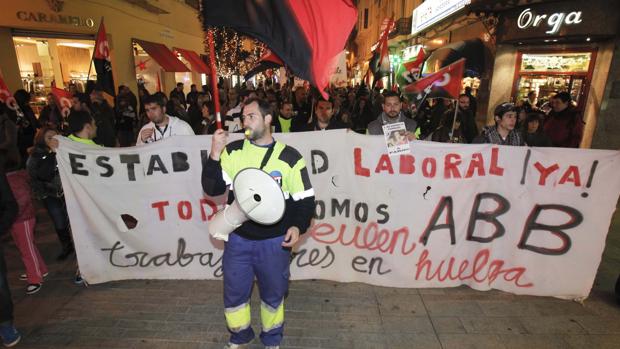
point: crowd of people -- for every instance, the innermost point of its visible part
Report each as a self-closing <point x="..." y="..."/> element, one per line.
<point x="28" y="158"/>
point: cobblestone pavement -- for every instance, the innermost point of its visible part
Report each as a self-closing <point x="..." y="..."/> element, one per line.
<point x="320" y="314"/>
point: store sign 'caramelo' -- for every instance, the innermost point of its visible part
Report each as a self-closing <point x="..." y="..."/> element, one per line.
<point x="54" y="18"/>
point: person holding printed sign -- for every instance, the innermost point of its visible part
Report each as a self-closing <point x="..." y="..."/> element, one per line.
<point x="161" y="125"/>
<point x="255" y="250"/>
<point x="392" y="114"/>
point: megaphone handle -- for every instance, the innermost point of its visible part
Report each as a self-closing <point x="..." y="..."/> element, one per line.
<point x="229" y="222"/>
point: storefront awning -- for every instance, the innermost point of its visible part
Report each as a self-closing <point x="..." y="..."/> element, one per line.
<point x="163" y="56"/>
<point x="198" y="65"/>
<point x="471" y="50"/>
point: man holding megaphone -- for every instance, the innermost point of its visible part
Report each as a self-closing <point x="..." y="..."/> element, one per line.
<point x="259" y="247"/>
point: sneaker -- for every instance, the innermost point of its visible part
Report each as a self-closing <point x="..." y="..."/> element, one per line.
<point x="272" y="347"/>
<point x="10" y="335"/>
<point x="33" y="288"/>
<point x="78" y="279"/>
<point x="235" y="346"/>
<point x="24" y="277"/>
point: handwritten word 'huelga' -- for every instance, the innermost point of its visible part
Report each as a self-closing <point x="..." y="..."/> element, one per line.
<point x="481" y="270"/>
<point x="143" y="259"/>
<point x="452" y="165"/>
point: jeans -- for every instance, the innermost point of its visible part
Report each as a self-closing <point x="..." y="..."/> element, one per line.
<point x="58" y="212"/>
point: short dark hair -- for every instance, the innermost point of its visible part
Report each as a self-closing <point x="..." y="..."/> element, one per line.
<point x="83" y="98"/>
<point x="534" y="116"/>
<point x="208" y="104"/>
<point x="504" y="108"/>
<point x="286" y="101"/>
<point x="391" y="94"/>
<point x="263" y="106"/>
<point x="321" y="99"/>
<point x="563" y="96"/>
<point x="464" y="95"/>
<point x="179" y="84"/>
<point x="78" y="119"/>
<point x="154" y="98"/>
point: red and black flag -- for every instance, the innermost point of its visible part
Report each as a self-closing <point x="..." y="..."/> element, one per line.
<point x="103" y="65"/>
<point x="445" y="83"/>
<point x="380" y="61"/>
<point x="267" y="61"/>
<point x="307" y="35"/>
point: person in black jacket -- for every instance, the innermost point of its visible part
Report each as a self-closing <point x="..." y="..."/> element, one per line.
<point x="323" y="118"/>
<point x="532" y="132"/>
<point x="104" y="118"/>
<point x="27" y="124"/>
<point x="45" y="182"/>
<point x="8" y="211"/>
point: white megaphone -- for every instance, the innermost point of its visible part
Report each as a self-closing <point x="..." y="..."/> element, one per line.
<point x="258" y="197"/>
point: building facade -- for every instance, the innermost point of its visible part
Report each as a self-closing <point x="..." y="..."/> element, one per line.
<point x="53" y="40"/>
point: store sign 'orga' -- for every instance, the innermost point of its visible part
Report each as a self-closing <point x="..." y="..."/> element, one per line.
<point x="528" y="19"/>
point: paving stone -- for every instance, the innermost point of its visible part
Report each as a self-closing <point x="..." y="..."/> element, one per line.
<point x="497" y="325"/>
<point x="533" y="341"/>
<point x="551" y="324"/>
<point x="409" y="341"/>
<point x="473" y="341"/>
<point x="590" y="342"/>
<point x="406" y="324"/>
<point x="447" y="325"/>
<point x="452" y="308"/>
<point x="599" y="325"/>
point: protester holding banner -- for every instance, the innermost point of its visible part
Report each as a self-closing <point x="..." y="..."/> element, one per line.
<point x="8" y="211"/>
<point x="254" y="249"/>
<point x="503" y="132"/>
<point x="46" y="186"/>
<point x="161" y="125"/>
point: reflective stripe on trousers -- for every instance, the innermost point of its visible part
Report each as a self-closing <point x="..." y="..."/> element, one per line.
<point x="243" y="261"/>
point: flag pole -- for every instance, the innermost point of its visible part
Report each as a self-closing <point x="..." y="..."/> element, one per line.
<point x="417" y="109"/>
<point x="92" y="57"/>
<point x="456" y="109"/>
<point x="216" y="92"/>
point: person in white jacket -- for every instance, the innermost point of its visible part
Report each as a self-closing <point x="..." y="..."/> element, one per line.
<point x="161" y="125"/>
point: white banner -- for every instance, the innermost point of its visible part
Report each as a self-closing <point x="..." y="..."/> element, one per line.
<point x="339" y="74"/>
<point x="523" y="220"/>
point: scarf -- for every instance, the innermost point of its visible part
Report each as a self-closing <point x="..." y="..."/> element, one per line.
<point x="494" y="137"/>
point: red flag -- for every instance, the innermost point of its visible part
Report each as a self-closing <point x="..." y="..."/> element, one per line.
<point x="103" y="64"/>
<point x="307" y="35"/>
<point x="380" y="62"/>
<point x="415" y="66"/>
<point x="64" y="100"/>
<point x="6" y="96"/>
<point x="444" y="83"/>
<point x="268" y="60"/>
